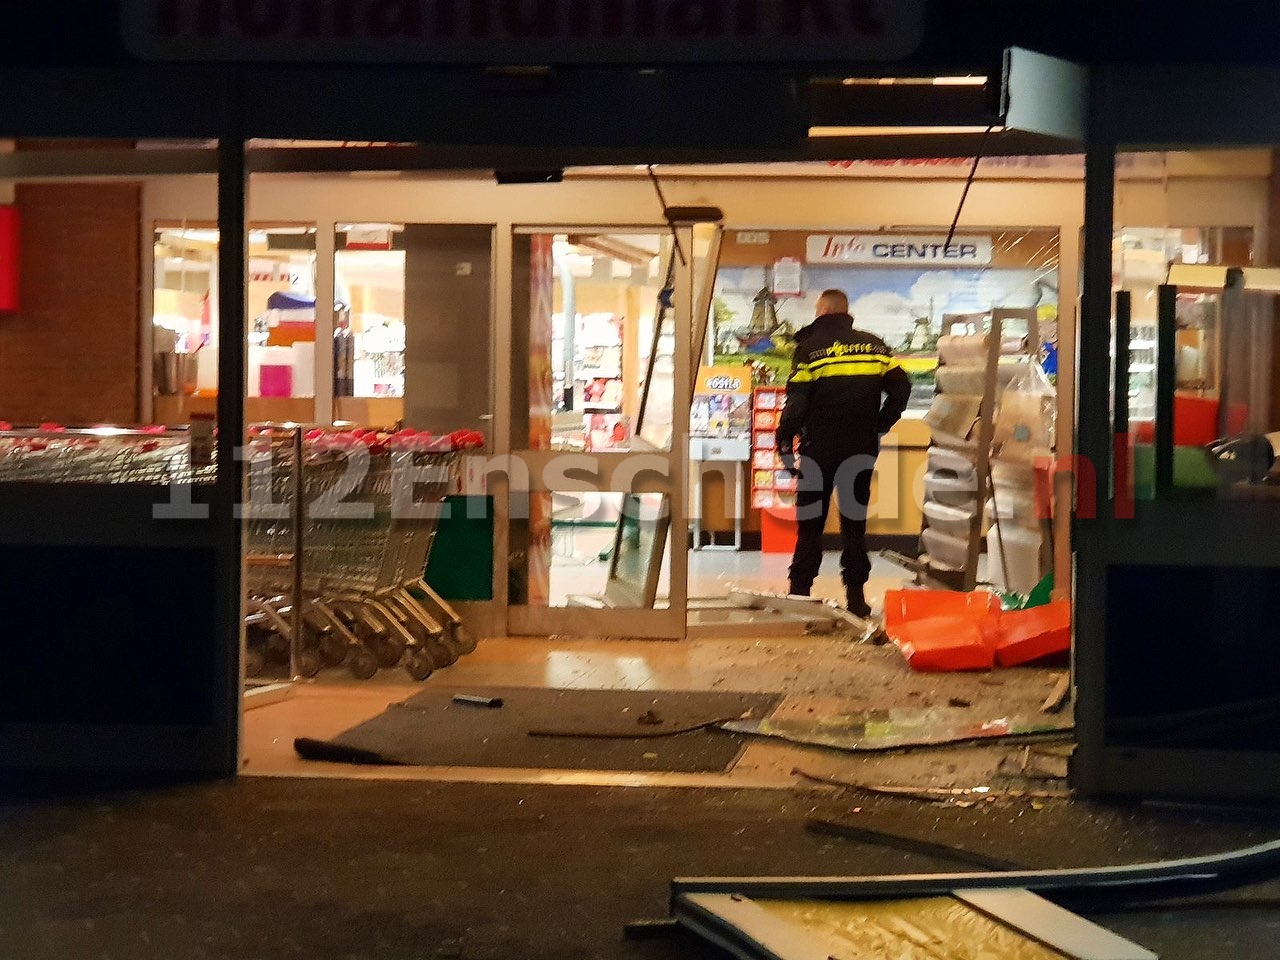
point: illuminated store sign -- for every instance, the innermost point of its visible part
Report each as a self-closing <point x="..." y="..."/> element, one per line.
<point x="898" y="249"/>
<point x="524" y="31"/>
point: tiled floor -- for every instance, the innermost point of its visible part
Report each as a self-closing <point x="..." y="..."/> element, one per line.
<point x="578" y="570"/>
<point x="817" y="675"/>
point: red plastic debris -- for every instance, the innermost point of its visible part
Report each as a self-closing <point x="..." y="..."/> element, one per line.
<point x="902" y="606"/>
<point x="1034" y="634"/>
<point x="944" y="643"/>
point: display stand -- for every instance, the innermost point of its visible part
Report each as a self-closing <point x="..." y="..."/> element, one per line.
<point x="720" y="432"/>
<point x="772" y="486"/>
<point x="733" y="452"/>
<point x="958" y="483"/>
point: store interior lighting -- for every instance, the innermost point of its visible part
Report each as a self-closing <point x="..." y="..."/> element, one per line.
<point x="897" y="131"/>
<point x="965" y="81"/>
<point x="902" y="105"/>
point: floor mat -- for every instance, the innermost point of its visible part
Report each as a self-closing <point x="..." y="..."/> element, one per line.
<point x="632" y="730"/>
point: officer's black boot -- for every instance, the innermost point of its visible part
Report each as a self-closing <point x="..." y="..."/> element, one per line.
<point x="856" y="602"/>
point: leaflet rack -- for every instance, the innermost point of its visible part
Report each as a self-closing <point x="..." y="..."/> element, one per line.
<point x="962" y="421"/>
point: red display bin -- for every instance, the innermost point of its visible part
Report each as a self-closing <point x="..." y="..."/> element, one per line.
<point x="778" y="530"/>
<point x="8" y="258"/>
<point x="1195" y="422"/>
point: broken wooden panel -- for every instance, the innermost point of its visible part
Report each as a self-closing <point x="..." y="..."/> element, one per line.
<point x="980" y="925"/>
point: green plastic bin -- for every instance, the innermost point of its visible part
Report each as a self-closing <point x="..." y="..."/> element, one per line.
<point x="461" y="563"/>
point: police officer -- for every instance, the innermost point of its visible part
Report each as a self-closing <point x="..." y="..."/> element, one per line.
<point x="845" y="392"/>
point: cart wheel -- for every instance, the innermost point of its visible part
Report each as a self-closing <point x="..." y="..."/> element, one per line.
<point x="439" y="652"/>
<point x="308" y="663"/>
<point x="389" y="651"/>
<point x="333" y="649"/>
<point x="276" y="648"/>
<point x="419" y="665"/>
<point x="254" y="663"/>
<point x="363" y="665"/>
<point x="464" y="640"/>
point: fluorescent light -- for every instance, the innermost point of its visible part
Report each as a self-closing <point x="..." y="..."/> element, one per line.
<point x="894" y="131"/>
<point x="970" y="81"/>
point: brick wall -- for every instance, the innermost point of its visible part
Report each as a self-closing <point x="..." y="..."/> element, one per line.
<point x="71" y="354"/>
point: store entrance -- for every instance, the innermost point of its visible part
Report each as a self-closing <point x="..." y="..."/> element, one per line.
<point x="620" y="527"/>
<point x="602" y="333"/>
<point x="934" y="317"/>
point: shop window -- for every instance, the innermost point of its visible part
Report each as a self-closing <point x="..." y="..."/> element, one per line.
<point x="1199" y="293"/>
<point x="1143" y="258"/>
<point x="601" y="548"/>
<point x="601" y="342"/>
<point x="75" y="401"/>
<point x="594" y="315"/>
<point x="908" y="288"/>
<point x="413" y="325"/>
<point x="280" y="320"/>
<point x="369" y="327"/>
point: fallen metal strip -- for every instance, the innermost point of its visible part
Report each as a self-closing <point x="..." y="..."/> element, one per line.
<point x="640" y="733"/>
<point x="940" y="795"/>
<point x="1216" y="871"/>
<point x="262" y="695"/>
<point x="897" y="841"/>
<point x="811" y="606"/>
<point x="1052" y="925"/>
<point x="753" y="728"/>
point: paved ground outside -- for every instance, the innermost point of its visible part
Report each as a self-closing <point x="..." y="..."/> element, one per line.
<point x="349" y="870"/>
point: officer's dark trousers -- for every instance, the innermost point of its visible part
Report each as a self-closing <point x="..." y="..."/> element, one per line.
<point x="849" y="476"/>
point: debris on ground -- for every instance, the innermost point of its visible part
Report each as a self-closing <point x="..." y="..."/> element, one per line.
<point x="946" y="630"/>
<point x="587" y="734"/>
<point x="1059" y="696"/>
<point x="952" y="796"/>
<point x="891" y="730"/>
<point x="897" y="841"/>
<point x="1036" y="765"/>
<point x="467" y="699"/>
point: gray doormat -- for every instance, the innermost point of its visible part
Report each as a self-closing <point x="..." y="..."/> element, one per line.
<point x="632" y="730"/>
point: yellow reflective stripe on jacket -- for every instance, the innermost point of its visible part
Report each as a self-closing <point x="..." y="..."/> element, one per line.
<point x="882" y="361"/>
<point x="861" y="367"/>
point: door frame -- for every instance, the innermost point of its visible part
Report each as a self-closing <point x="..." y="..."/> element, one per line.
<point x="670" y="622"/>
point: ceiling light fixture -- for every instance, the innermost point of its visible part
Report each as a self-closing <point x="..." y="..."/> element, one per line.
<point x="815" y="132"/>
<point x="956" y="81"/>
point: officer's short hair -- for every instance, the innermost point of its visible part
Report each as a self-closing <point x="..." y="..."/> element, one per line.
<point x="838" y="300"/>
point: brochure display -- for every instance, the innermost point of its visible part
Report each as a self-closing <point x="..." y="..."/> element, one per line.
<point x="720" y="432"/>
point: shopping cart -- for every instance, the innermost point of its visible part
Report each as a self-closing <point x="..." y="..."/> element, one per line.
<point x="283" y="477"/>
<point x="360" y="512"/>
<point x="421" y="480"/>
<point x="102" y="455"/>
<point x="357" y="547"/>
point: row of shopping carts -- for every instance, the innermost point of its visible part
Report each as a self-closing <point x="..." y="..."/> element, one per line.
<point x="109" y="455"/>
<point x="340" y="528"/>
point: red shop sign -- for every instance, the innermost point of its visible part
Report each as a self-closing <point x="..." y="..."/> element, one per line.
<point x="8" y="258"/>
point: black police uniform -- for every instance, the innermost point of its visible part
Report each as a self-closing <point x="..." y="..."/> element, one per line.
<point x="845" y="391"/>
